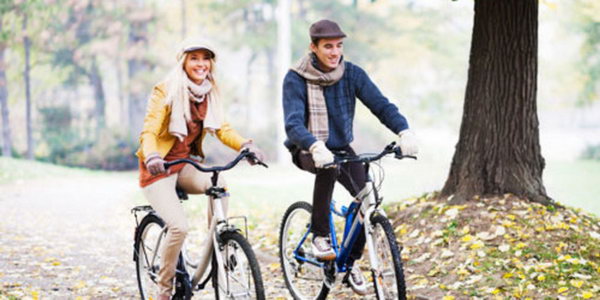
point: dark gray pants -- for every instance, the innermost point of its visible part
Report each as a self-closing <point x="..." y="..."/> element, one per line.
<point x="352" y="176"/>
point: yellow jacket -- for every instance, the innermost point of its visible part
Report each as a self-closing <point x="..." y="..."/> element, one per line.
<point x="155" y="137"/>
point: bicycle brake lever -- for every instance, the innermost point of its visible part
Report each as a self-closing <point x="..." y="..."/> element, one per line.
<point x="252" y="157"/>
<point x="405" y="156"/>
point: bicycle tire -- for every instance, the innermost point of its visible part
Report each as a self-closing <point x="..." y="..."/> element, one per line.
<point x="230" y="262"/>
<point x="390" y="238"/>
<point x="141" y="249"/>
<point x="285" y="265"/>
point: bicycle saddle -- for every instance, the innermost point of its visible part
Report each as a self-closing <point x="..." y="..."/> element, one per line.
<point x="181" y="194"/>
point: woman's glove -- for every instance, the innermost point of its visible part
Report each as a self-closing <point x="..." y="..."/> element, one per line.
<point x="408" y="142"/>
<point x="259" y="154"/>
<point x="320" y="154"/>
<point x="155" y="164"/>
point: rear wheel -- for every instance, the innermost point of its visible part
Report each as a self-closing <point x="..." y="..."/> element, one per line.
<point x="148" y="241"/>
<point x="242" y="273"/>
<point x="388" y="278"/>
<point x="304" y="277"/>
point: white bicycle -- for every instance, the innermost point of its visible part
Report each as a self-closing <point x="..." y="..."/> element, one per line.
<point x="234" y="269"/>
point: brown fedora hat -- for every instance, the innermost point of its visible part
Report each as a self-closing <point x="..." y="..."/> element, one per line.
<point x="325" y="29"/>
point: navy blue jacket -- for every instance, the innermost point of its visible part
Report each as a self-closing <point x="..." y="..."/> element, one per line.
<point x="340" y="99"/>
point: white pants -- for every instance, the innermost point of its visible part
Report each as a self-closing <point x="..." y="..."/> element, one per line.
<point x="163" y="198"/>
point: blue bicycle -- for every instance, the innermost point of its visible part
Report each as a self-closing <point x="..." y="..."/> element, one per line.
<point x="308" y="278"/>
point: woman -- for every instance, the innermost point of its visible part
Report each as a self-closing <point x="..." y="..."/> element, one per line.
<point x="180" y="112"/>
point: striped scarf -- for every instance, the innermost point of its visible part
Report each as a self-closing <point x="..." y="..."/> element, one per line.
<point x="315" y="81"/>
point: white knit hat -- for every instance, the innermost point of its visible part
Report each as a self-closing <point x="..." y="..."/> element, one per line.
<point x="193" y="44"/>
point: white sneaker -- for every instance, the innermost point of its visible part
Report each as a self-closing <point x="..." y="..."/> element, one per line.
<point x="357" y="281"/>
<point x="321" y="248"/>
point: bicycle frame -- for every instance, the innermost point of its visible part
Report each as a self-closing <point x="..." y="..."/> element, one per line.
<point x="366" y="206"/>
<point x="219" y="224"/>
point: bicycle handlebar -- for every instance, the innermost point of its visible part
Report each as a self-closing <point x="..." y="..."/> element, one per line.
<point x="243" y="154"/>
<point x="367" y="158"/>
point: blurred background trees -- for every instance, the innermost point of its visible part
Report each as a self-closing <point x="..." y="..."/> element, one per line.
<point x="90" y="66"/>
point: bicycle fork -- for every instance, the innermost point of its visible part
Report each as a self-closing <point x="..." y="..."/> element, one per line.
<point x="367" y="211"/>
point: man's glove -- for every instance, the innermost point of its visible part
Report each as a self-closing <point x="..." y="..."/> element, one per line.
<point x="320" y="154"/>
<point x="259" y="154"/>
<point x="408" y="142"/>
<point x="155" y="164"/>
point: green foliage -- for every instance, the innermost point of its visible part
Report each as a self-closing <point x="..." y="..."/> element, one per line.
<point x="63" y="144"/>
<point x="587" y="21"/>
<point x="591" y="152"/>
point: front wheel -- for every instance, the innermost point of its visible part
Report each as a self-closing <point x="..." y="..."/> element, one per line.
<point x="242" y="273"/>
<point x="304" y="276"/>
<point x="388" y="278"/>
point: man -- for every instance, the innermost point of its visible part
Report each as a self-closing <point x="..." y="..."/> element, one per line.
<point x="319" y="99"/>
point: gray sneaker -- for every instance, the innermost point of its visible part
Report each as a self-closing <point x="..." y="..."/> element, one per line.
<point x="321" y="248"/>
<point x="357" y="281"/>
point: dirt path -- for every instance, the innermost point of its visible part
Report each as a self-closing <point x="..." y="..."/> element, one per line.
<point x="70" y="237"/>
<point x="67" y="237"/>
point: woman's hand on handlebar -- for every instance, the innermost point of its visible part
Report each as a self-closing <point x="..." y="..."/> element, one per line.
<point x="156" y="165"/>
<point x="258" y="155"/>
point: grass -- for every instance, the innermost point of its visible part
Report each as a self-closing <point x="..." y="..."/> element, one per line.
<point x="14" y="170"/>
<point x="573" y="183"/>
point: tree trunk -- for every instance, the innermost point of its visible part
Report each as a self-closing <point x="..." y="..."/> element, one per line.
<point x="248" y="88"/>
<point x="498" y="150"/>
<point x="137" y="66"/>
<point x="99" y="111"/>
<point x="183" y="20"/>
<point x="284" y="58"/>
<point x="27" y="46"/>
<point x="6" y="136"/>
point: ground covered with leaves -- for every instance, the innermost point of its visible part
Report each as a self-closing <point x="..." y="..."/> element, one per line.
<point x="68" y="235"/>
<point x="497" y="248"/>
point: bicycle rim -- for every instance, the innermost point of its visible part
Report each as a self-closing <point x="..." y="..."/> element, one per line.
<point x="389" y="277"/>
<point x="304" y="280"/>
<point x="242" y="273"/>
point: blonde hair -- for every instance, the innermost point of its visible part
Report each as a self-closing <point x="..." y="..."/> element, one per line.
<point x="176" y="83"/>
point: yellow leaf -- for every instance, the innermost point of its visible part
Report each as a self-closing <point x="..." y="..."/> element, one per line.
<point x="56" y="263"/>
<point x="35" y="295"/>
<point x="496" y="292"/>
<point x="562" y="289"/>
<point x="467" y="238"/>
<point x="541" y="277"/>
<point x="463" y="272"/>
<point x="507" y="275"/>
<point x="577" y="283"/>
<point x="80" y="284"/>
<point x="465" y="229"/>
<point x="521" y="245"/>
<point x="477" y="245"/>
<point x="448" y="298"/>
<point x="587" y="295"/>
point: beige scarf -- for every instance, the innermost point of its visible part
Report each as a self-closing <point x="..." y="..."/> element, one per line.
<point x="315" y="81"/>
<point x="180" y="109"/>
